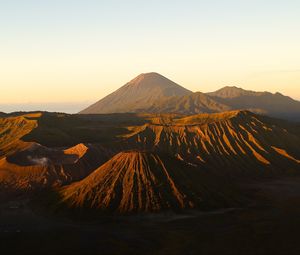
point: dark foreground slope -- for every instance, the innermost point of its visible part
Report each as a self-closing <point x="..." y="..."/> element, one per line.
<point x="270" y="225"/>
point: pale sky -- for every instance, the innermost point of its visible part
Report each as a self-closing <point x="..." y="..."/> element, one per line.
<point x="58" y="53"/>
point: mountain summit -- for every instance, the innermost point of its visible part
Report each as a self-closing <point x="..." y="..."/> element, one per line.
<point x="139" y="93"/>
<point x="233" y="92"/>
<point x="274" y="105"/>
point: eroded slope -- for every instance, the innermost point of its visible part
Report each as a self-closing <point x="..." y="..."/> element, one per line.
<point x="135" y="181"/>
<point x="238" y="140"/>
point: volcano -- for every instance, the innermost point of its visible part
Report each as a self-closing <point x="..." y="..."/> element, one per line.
<point x="134" y="181"/>
<point x="139" y="93"/>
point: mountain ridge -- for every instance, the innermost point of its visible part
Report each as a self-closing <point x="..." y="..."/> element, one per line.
<point x="194" y="103"/>
<point x="48" y="150"/>
<point x="267" y="103"/>
<point x="154" y="93"/>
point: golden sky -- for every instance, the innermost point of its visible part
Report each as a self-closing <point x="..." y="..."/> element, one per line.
<point x="79" y="51"/>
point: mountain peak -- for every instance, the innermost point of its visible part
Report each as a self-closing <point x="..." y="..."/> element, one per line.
<point x="232" y="88"/>
<point x="143" y="76"/>
<point x="137" y="94"/>
<point x="150" y="74"/>
<point x="151" y="79"/>
<point x="232" y="92"/>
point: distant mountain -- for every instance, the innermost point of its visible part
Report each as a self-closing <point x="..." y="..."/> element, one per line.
<point x="153" y="93"/>
<point x="139" y="93"/>
<point x="188" y="104"/>
<point x="232" y="92"/>
<point x="275" y="105"/>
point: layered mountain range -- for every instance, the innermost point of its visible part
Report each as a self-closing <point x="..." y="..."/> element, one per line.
<point x="153" y="93"/>
<point x="133" y="163"/>
<point x="151" y="146"/>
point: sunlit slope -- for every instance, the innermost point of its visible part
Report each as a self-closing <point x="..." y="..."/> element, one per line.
<point x="39" y="167"/>
<point x="145" y="182"/>
<point x="226" y="141"/>
<point x="213" y="139"/>
<point x="27" y="164"/>
<point x="12" y="129"/>
<point x="34" y="147"/>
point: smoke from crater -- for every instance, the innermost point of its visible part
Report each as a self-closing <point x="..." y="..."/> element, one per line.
<point x="39" y="161"/>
